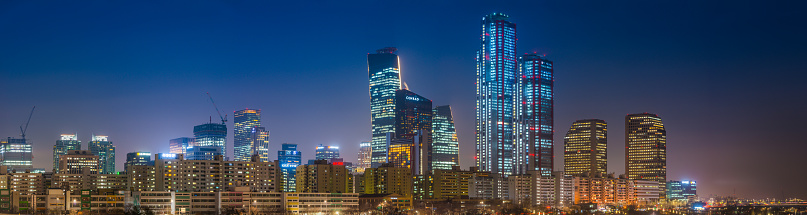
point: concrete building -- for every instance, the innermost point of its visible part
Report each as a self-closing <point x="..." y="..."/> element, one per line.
<point x="453" y="183"/>
<point x="323" y="177"/>
<point x="388" y="179"/>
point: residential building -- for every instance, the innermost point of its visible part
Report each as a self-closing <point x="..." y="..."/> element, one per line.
<point x="385" y="78"/>
<point x="454" y="183"/>
<point x="585" y="147"/>
<point x="388" y="179"/>
<point x="103" y="148"/>
<point x="323" y="177"/>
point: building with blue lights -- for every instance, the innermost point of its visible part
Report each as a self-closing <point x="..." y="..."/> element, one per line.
<point x="211" y="134"/>
<point x="445" y="145"/>
<point x="103" y="148"/>
<point x="66" y="143"/>
<point x="496" y="67"/>
<point x="208" y="153"/>
<point x="385" y="78"/>
<point x="327" y="152"/>
<point x="535" y="116"/>
<point x="289" y="158"/>
<point x="137" y="159"/>
<point x="682" y="190"/>
<point x="245" y="122"/>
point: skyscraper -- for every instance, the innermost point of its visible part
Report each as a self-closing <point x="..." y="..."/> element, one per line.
<point x="260" y="143"/>
<point x="327" y="152"/>
<point x="365" y="156"/>
<point x="77" y="162"/>
<point x="445" y="146"/>
<point x="535" y="116"/>
<point x="585" y="148"/>
<point x="179" y="145"/>
<point x="646" y="149"/>
<point x="137" y="159"/>
<point x="289" y="159"/>
<point x="103" y="148"/>
<point x="495" y="95"/>
<point x="211" y="134"/>
<point x="385" y="78"/>
<point x="208" y="153"/>
<point x="245" y="122"/>
<point x="413" y="113"/>
<point x="16" y="154"/>
<point x="412" y="152"/>
<point x="66" y="143"/>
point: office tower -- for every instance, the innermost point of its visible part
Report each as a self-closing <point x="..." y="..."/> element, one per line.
<point x="103" y="148"/>
<point x="411" y="152"/>
<point x="682" y="190"/>
<point x="137" y="159"/>
<point x="534" y="112"/>
<point x="327" y="152"/>
<point x="179" y="145"/>
<point x="365" y="156"/>
<point x="244" y="122"/>
<point x="454" y="183"/>
<point x="260" y="143"/>
<point x="79" y="161"/>
<point x="323" y="177"/>
<point x="445" y="146"/>
<point x="208" y="153"/>
<point x="584" y="147"/>
<point x="66" y="143"/>
<point x="413" y="113"/>
<point x="16" y="154"/>
<point x="289" y="159"/>
<point x="495" y="95"/>
<point x="211" y="134"/>
<point x="385" y="78"/>
<point x="646" y="149"/>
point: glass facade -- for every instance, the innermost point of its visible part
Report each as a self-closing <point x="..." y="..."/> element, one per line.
<point x="495" y="95"/>
<point x="66" y="143"/>
<point x="244" y="123"/>
<point x="365" y="156"/>
<point x="260" y="144"/>
<point x="211" y="134"/>
<point x="289" y="159"/>
<point x="327" y="152"/>
<point x="202" y="153"/>
<point x="103" y="148"/>
<point x="535" y="115"/>
<point x="137" y="159"/>
<point x="180" y="145"/>
<point x="585" y="148"/>
<point x="681" y="190"/>
<point x="445" y="145"/>
<point x="16" y="154"/>
<point x="646" y="149"/>
<point x="385" y="78"/>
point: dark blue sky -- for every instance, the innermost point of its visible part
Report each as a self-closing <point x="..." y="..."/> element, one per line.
<point x="726" y="77"/>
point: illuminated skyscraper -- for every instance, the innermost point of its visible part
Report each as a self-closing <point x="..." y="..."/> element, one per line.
<point x="327" y="152"/>
<point x="495" y="95"/>
<point x="245" y="122"/>
<point x="260" y="143"/>
<point x="385" y="78"/>
<point x="103" y="148"/>
<point x="211" y="134"/>
<point x="445" y="146"/>
<point x="207" y="153"/>
<point x="413" y="113"/>
<point x="646" y="149"/>
<point x="289" y="159"/>
<point x="365" y="155"/>
<point x="179" y="145"/>
<point x="137" y="159"/>
<point x="66" y="143"/>
<point x="585" y="148"/>
<point x="412" y="152"/>
<point x="535" y="116"/>
<point x="16" y="154"/>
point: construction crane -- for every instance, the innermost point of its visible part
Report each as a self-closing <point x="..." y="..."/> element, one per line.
<point x="26" y="123"/>
<point x="223" y="118"/>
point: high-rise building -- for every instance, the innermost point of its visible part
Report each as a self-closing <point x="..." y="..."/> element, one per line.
<point x="323" y="177"/>
<point x="103" y="148"/>
<point x="16" y="154"/>
<point x="137" y="159"/>
<point x="327" y="152"/>
<point x="211" y="134"/>
<point x="646" y="149"/>
<point x="179" y="145"/>
<point x="413" y="113"/>
<point x="289" y="159"/>
<point x="585" y="147"/>
<point x="260" y="143"/>
<point x="78" y="161"/>
<point x="244" y="123"/>
<point x="445" y="145"/>
<point x="208" y="153"/>
<point x="535" y="116"/>
<point x="387" y="179"/>
<point x="66" y="143"/>
<point x="385" y="78"/>
<point x="365" y="156"/>
<point x="412" y="152"/>
<point x="495" y="95"/>
<point x="682" y="190"/>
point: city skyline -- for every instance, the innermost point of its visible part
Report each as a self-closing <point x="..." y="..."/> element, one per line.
<point x="694" y="84"/>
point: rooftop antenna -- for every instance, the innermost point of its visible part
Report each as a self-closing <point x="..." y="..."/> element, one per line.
<point x="223" y="118"/>
<point x="26" y="124"/>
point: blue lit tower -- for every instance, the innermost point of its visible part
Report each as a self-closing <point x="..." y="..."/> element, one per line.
<point x="289" y="159"/>
<point x="495" y="95"/>
<point x="445" y="146"/>
<point x="385" y="78"/>
<point x="243" y="126"/>
<point x="535" y="113"/>
<point x="327" y="152"/>
<point x="66" y="143"/>
<point x="17" y="154"/>
<point x="260" y="143"/>
<point x="211" y="134"/>
<point x="103" y="148"/>
<point x="137" y="159"/>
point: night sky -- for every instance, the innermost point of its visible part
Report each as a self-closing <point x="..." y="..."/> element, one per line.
<point x="726" y="78"/>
